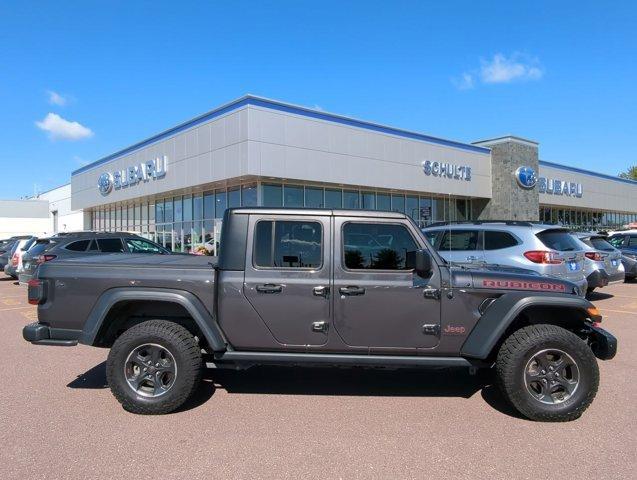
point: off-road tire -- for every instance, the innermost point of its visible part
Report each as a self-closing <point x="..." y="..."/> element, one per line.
<point x="181" y="344"/>
<point x="512" y="360"/>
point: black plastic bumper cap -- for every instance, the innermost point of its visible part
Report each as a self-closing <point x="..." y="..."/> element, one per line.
<point x="39" y="334"/>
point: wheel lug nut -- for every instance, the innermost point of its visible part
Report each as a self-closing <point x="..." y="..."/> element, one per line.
<point x="543" y="372"/>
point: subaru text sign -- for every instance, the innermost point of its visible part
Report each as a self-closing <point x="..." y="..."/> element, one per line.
<point x="132" y="175"/>
<point x="528" y="179"/>
<point x="447" y="170"/>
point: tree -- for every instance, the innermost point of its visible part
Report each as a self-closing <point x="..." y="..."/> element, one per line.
<point x="630" y="174"/>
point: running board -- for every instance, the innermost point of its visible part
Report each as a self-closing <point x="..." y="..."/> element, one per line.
<point x="276" y="358"/>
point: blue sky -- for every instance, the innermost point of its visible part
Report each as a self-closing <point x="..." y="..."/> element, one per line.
<point x="80" y="80"/>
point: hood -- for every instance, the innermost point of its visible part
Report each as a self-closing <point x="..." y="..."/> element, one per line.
<point x="509" y="278"/>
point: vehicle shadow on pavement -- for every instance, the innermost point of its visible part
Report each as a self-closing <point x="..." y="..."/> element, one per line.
<point x="598" y="296"/>
<point x="449" y="382"/>
<point x="271" y="380"/>
<point x="95" y="379"/>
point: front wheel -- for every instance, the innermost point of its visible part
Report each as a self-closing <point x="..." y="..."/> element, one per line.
<point x="547" y="373"/>
<point x="154" y="367"/>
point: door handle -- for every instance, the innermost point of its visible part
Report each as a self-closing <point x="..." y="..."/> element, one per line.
<point x="352" y="291"/>
<point x="319" y="326"/>
<point x="269" y="288"/>
<point x="321" y="291"/>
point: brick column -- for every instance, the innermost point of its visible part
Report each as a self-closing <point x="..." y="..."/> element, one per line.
<point x="509" y="200"/>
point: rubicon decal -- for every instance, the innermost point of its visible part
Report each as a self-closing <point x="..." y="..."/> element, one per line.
<point x="523" y="285"/>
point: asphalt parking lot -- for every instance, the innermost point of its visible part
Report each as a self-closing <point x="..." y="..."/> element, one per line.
<point x="59" y="420"/>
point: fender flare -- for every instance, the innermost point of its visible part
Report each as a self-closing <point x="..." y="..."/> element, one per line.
<point x="201" y="316"/>
<point x="499" y="316"/>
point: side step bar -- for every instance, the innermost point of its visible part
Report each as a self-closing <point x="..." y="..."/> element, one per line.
<point x="276" y="358"/>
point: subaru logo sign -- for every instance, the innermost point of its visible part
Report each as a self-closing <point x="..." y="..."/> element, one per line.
<point x="105" y="183"/>
<point x="526" y="177"/>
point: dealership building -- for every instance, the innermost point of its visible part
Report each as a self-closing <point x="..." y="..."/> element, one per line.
<point x="175" y="186"/>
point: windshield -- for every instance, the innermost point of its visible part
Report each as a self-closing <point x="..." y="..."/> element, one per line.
<point x="616" y="241"/>
<point x="560" y="240"/>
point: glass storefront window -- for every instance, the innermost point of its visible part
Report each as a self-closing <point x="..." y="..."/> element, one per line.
<point x="187" y="209"/>
<point x="272" y="195"/>
<point x="425" y="214"/>
<point x="333" y="198"/>
<point x="383" y="202"/>
<point x="314" y="197"/>
<point x="368" y="200"/>
<point x="159" y="211"/>
<point x="411" y="207"/>
<point x="131" y="216"/>
<point x="178" y="209"/>
<point x="249" y="196"/>
<point x="209" y="205"/>
<point x="138" y="214"/>
<point x="462" y="211"/>
<point x="292" y="196"/>
<point x="439" y="209"/>
<point x="351" y="200"/>
<point x="197" y="207"/>
<point x="398" y="203"/>
<point x="234" y="197"/>
<point x="221" y="203"/>
<point x="168" y="210"/>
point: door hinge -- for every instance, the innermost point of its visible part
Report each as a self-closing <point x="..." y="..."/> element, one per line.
<point x="431" y="329"/>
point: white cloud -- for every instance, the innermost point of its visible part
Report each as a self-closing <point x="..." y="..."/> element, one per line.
<point x="465" y="82"/>
<point x="501" y="69"/>
<point x="56" y="98"/>
<point x="59" y="128"/>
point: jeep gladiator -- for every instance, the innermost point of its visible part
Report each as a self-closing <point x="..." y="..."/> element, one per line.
<point x="321" y="287"/>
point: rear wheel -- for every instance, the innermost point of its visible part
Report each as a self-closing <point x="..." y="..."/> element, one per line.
<point x="154" y="367"/>
<point x="547" y="373"/>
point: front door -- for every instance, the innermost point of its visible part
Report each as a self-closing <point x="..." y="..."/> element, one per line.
<point x="287" y="276"/>
<point x="379" y="302"/>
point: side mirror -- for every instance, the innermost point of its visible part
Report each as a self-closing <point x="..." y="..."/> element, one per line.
<point x="423" y="263"/>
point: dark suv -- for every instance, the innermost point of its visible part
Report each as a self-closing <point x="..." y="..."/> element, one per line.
<point x="76" y="244"/>
<point x="626" y="242"/>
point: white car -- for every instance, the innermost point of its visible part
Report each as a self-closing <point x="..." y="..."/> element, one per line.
<point x="14" y="266"/>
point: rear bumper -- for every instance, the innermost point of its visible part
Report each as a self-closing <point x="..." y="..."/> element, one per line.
<point x="603" y="344"/>
<point x="39" y="334"/>
<point x="597" y="279"/>
<point x="630" y="267"/>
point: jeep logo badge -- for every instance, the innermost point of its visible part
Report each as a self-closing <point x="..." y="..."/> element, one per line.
<point x="526" y="177"/>
<point x="105" y="183"/>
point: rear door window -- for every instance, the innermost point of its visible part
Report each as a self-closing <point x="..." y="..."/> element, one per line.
<point x="560" y="240"/>
<point x="79" y="246"/>
<point x="494" y="240"/>
<point x="110" y="245"/>
<point x="139" y="245"/>
<point x="632" y="242"/>
<point x="617" y="241"/>
<point x="288" y="244"/>
<point x="459" y="240"/>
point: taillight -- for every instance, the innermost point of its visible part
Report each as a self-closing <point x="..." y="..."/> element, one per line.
<point x="15" y="260"/>
<point x="543" y="256"/>
<point x="45" y="258"/>
<point x="593" y="256"/>
<point x="35" y="291"/>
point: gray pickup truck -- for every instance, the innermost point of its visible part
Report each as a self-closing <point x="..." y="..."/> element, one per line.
<point x="321" y="287"/>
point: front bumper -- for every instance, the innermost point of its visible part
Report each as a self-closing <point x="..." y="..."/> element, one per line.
<point x="603" y="343"/>
<point x="40" y="334"/>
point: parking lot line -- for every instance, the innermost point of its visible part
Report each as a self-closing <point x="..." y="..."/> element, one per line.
<point x="618" y="311"/>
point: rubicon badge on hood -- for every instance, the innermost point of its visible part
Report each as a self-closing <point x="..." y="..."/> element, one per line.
<point x="524" y="285"/>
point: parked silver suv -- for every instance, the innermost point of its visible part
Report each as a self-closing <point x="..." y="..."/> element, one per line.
<point x="603" y="262"/>
<point x="547" y="249"/>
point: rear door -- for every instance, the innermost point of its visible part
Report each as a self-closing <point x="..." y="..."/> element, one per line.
<point x="463" y="246"/>
<point x="288" y="275"/>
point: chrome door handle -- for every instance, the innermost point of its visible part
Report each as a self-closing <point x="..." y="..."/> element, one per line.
<point x="352" y="291"/>
<point x="269" y="288"/>
<point x="320" y="326"/>
<point x="321" y="291"/>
